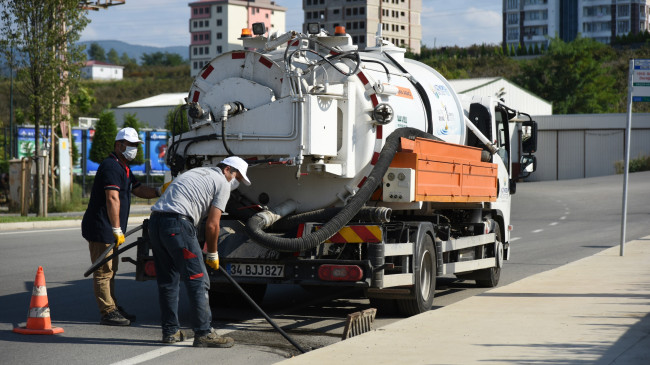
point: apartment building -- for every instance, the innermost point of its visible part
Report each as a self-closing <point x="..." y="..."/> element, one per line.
<point x="400" y="20"/>
<point x="533" y="22"/>
<point x="215" y="26"/>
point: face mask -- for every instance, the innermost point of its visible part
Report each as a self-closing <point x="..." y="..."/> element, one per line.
<point x="130" y="152"/>
<point x="234" y="184"/>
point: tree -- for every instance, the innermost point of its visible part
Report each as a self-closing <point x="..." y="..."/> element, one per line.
<point x="176" y="121"/>
<point x="125" y="60"/>
<point x="104" y="138"/>
<point x="83" y="99"/>
<point x="97" y="52"/>
<point x="161" y="59"/>
<point x="574" y="76"/>
<point x="43" y="36"/>
<point x="131" y="121"/>
<point x="113" y="57"/>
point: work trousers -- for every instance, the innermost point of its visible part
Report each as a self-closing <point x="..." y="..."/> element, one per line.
<point x="104" y="278"/>
<point x="178" y="256"/>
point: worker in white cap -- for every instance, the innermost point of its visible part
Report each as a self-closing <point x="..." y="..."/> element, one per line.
<point x="199" y="193"/>
<point x="106" y="217"/>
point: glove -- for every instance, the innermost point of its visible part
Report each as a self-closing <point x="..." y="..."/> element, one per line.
<point x="161" y="189"/>
<point x="119" y="236"/>
<point x="212" y="260"/>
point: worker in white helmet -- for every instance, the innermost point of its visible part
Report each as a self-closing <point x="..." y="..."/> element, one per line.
<point x="194" y="195"/>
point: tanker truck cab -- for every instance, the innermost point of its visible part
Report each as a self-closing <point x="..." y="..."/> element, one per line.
<point x="368" y="170"/>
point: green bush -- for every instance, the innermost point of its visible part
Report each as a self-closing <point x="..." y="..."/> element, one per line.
<point x="641" y="163"/>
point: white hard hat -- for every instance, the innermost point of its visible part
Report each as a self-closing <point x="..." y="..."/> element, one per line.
<point x="128" y="134"/>
<point x="239" y="164"/>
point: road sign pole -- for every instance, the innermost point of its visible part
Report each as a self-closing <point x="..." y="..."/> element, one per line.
<point x="627" y="154"/>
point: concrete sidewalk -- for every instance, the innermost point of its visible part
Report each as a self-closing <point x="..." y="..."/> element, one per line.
<point x="592" y="311"/>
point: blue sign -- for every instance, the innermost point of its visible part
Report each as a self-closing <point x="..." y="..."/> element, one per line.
<point x="26" y="144"/>
<point x="91" y="167"/>
<point x="77" y="137"/>
<point x="158" y="152"/>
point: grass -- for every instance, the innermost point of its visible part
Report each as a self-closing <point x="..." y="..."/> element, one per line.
<point x="19" y="219"/>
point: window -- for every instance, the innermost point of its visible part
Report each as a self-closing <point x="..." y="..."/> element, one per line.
<point x="355" y="11"/>
<point x="200" y="37"/>
<point x="196" y="11"/>
<point x="348" y="11"/>
<point x="362" y="11"/>
<point x="200" y="10"/>
<point x="308" y="15"/>
<point x="200" y="50"/>
<point x="355" y="39"/>
<point x="513" y="33"/>
<point x="622" y="27"/>
<point x="335" y="11"/>
<point x="195" y="37"/>
<point x="362" y="25"/>
<point x="623" y="10"/>
<point x="513" y="18"/>
<point x="207" y="50"/>
<point x="218" y="9"/>
<point x="362" y="39"/>
<point x="195" y="65"/>
<point x="195" y="51"/>
<point x="219" y="49"/>
<point x="513" y="4"/>
<point x="219" y="35"/>
<point x="207" y="10"/>
<point x="219" y="22"/>
<point x="195" y="24"/>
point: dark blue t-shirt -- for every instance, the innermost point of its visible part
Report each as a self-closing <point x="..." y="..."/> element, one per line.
<point x="111" y="175"/>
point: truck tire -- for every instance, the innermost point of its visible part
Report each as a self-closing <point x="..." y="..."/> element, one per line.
<point x="489" y="278"/>
<point x="425" y="280"/>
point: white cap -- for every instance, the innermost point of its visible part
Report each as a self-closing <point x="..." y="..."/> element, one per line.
<point x="239" y="164"/>
<point x="128" y="134"/>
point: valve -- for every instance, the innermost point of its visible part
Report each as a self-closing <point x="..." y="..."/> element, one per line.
<point x="383" y="114"/>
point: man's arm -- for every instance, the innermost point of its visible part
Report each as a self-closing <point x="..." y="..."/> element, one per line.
<point x="145" y="192"/>
<point x="113" y="207"/>
<point x="212" y="228"/>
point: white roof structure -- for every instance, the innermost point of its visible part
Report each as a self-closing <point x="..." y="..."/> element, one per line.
<point x="513" y="95"/>
<point x="150" y="111"/>
<point x="170" y="99"/>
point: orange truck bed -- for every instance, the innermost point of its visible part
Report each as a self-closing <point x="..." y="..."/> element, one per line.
<point x="446" y="172"/>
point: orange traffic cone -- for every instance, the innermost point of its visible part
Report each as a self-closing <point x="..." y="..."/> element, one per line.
<point x="38" y="317"/>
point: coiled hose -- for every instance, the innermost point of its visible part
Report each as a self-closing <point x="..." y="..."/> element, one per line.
<point x="256" y="224"/>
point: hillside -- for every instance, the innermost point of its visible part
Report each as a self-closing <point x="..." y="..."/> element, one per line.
<point x="136" y="51"/>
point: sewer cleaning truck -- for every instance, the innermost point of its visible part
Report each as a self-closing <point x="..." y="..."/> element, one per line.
<point x="368" y="171"/>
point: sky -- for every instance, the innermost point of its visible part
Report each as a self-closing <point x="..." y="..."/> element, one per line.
<point x="163" y="23"/>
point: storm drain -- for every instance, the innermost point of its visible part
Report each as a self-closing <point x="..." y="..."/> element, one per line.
<point x="359" y="322"/>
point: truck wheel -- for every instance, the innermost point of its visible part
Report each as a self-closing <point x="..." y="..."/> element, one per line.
<point x="425" y="280"/>
<point x="227" y="296"/>
<point x="489" y="278"/>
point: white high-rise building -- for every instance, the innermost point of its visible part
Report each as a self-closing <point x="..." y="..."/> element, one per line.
<point x="532" y="22"/>
<point x="215" y="26"/>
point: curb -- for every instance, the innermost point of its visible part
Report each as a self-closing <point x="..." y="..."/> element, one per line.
<point x="69" y="223"/>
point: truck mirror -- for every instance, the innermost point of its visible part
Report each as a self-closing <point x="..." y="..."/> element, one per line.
<point x="529" y="137"/>
<point x="528" y="165"/>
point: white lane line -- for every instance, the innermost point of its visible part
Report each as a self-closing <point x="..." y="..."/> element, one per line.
<point x="40" y="231"/>
<point x="513" y="239"/>
<point x="553" y="224"/>
<point x="168" y="349"/>
<point x="563" y="217"/>
<point x="537" y="230"/>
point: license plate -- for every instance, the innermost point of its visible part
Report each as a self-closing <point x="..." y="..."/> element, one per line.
<point x="256" y="270"/>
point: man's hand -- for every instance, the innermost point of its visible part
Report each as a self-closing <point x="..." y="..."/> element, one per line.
<point x="119" y="236"/>
<point x="161" y="189"/>
<point x="212" y="260"/>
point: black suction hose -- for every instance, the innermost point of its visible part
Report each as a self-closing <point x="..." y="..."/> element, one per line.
<point x="255" y="225"/>
<point x="266" y="316"/>
<point x="366" y="214"/>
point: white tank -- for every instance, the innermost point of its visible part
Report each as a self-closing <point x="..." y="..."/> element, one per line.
<point x="320" y="119"/>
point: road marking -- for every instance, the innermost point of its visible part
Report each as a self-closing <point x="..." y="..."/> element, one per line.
<point x="553" y="224"/>
<point x="40" y="230"/>
<point x="168" y="349"/>
<point x="563" y="217"/>
<point x="514" y="239"/>
<point x="537" y="230"/>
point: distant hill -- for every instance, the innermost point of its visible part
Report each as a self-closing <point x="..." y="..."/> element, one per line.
<point x="136" y="51"/>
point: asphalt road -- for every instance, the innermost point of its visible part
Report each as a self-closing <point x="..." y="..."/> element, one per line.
<point x="554" y="223"/>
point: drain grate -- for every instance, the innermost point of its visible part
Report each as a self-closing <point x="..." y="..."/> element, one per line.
<point x="359" y="322"/>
